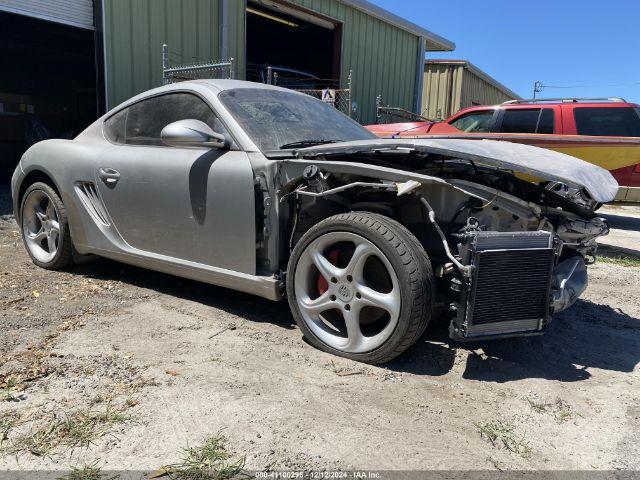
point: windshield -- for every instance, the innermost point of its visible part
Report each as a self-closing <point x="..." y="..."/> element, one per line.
<point x="277" y="119"/>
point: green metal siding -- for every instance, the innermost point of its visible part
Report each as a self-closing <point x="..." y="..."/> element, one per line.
<point x="381" y="56"/>
<point x="136" y="29"/>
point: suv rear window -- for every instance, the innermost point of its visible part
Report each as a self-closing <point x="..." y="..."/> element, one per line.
<point x="608" y="121"/>
<point x="533" y="120"/>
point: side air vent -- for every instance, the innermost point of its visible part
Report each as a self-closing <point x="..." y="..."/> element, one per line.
<point x="88" y="194"/>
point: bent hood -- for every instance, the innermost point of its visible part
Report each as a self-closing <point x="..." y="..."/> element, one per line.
<point x="538" y="162"/>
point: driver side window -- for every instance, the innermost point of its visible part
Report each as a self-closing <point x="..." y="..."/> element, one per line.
<point x="142" y="122"/>
<point x="478" y="121"/>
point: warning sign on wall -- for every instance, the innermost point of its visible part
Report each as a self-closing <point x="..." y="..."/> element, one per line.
<point x="329" y="95"/>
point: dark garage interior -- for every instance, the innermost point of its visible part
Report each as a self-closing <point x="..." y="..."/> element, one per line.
<point x="47" y="84"/>
<point x="303" y="50"/>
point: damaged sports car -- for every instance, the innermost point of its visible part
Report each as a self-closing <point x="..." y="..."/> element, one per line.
<point x="274" y="193"/>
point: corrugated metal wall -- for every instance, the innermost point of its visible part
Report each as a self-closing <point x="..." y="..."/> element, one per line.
<point x="449" y="88"/>
<point x="476" y="91"/>
<point x="78" y="13"/>
<point x="382" y="56"/>
<point x="136" y="29"/>
<point x="441" y="90"/>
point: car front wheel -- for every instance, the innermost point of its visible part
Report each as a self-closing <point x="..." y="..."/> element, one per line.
<point x="360" y="285"/>
<point x="45" y="230"/>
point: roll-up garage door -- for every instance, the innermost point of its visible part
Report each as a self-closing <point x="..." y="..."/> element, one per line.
<point x="78" y="13"/>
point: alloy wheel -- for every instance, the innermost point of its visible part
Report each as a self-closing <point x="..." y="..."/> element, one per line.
<point x="41" y="226"/>
<point x="347" y="292"/>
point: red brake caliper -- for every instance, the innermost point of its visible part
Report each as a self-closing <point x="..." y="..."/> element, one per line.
<point x="323" y="283"/>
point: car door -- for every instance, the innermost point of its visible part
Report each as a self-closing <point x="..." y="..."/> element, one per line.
<point x="184" y="204"/>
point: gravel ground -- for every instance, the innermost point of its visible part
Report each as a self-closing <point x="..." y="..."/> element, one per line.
<point x="124" y="367"/>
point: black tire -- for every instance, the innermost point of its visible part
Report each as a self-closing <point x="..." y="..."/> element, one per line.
<point x="411" y="266"/>
<point x="64" y="254"/>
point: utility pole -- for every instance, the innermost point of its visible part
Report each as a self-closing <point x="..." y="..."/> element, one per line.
<point x="537" y="88"/>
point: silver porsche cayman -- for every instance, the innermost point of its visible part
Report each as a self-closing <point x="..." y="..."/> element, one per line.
<point x="274" y="193"/>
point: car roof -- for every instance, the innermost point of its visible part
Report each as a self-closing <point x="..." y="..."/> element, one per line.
<point x="229" y="84"/>
<point x="214" y="85"/>
<point x="548" y="104"/>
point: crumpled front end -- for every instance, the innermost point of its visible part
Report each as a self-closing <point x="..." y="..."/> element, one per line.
<point x="509" y="230"/>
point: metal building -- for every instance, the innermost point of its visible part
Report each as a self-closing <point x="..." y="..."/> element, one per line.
<point x="64" y="62"/>
<point x="48" y="76"/>
<point x="451" y="85"/>
<point x="327" y="38"/>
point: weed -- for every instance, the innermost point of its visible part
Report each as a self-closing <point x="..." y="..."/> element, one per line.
<point x="207" y="462"/>
<point x="8" y="420"/>
<point x="619" y="259"/>
<point x="88" y="472"/>
<point x="560" y="409"/>
<point x="12" y="384"/>
<point x="538" y="407"/>
<point x="76" y="430"/>
<point x="503" y="434"/>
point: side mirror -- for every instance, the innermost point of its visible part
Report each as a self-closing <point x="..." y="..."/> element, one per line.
<point x="192" y="133"/>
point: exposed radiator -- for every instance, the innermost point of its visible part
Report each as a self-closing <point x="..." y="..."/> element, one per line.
<point x="509" y="290"/>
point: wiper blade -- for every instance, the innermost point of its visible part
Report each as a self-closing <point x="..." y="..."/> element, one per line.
<point x="307" y="143"/>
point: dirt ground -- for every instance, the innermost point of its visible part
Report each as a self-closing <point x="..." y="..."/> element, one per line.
<point x="120" y="367"/>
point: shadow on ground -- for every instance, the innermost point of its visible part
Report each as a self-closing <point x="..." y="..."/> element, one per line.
<point x="237" y="303"/>
<point x="6" y="208"/>
<point x="622" y="222"/>
<point x="586" y="336"/>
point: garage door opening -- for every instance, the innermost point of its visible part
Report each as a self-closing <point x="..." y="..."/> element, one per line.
<point x="47" y="84"/>
<point x="302" y="49"/>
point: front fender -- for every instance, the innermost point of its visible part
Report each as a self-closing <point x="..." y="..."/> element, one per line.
<point x="16" y="180"/>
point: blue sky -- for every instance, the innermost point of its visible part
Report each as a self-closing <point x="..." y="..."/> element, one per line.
<point x="593" y="43"/>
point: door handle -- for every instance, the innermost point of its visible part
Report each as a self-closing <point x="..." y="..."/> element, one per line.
<point x="109" y="176"/>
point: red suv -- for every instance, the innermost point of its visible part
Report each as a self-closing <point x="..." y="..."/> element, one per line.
<point x="608" y="130"/>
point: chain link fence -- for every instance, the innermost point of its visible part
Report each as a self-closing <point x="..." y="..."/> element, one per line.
<point x="194" y="71"/>
<point x="341" y="98"/>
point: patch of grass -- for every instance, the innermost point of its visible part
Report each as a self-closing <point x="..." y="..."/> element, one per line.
<point x="503" y="435"/>
<point x="209" y="461"/>
<point x="8" y="421"/>
<point x="75" y="430"/>
<point x="619" y="259"/>
<point x="87" y="472"/>
<point x="538" y="407"/>
<point x="559" y="409"/>
<point x="562" y="411"/>
<point x="12" y="385"/>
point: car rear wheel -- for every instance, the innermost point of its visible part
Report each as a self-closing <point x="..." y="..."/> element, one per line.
<point x="45" y="230"/>
<point x="360" y="285"/>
